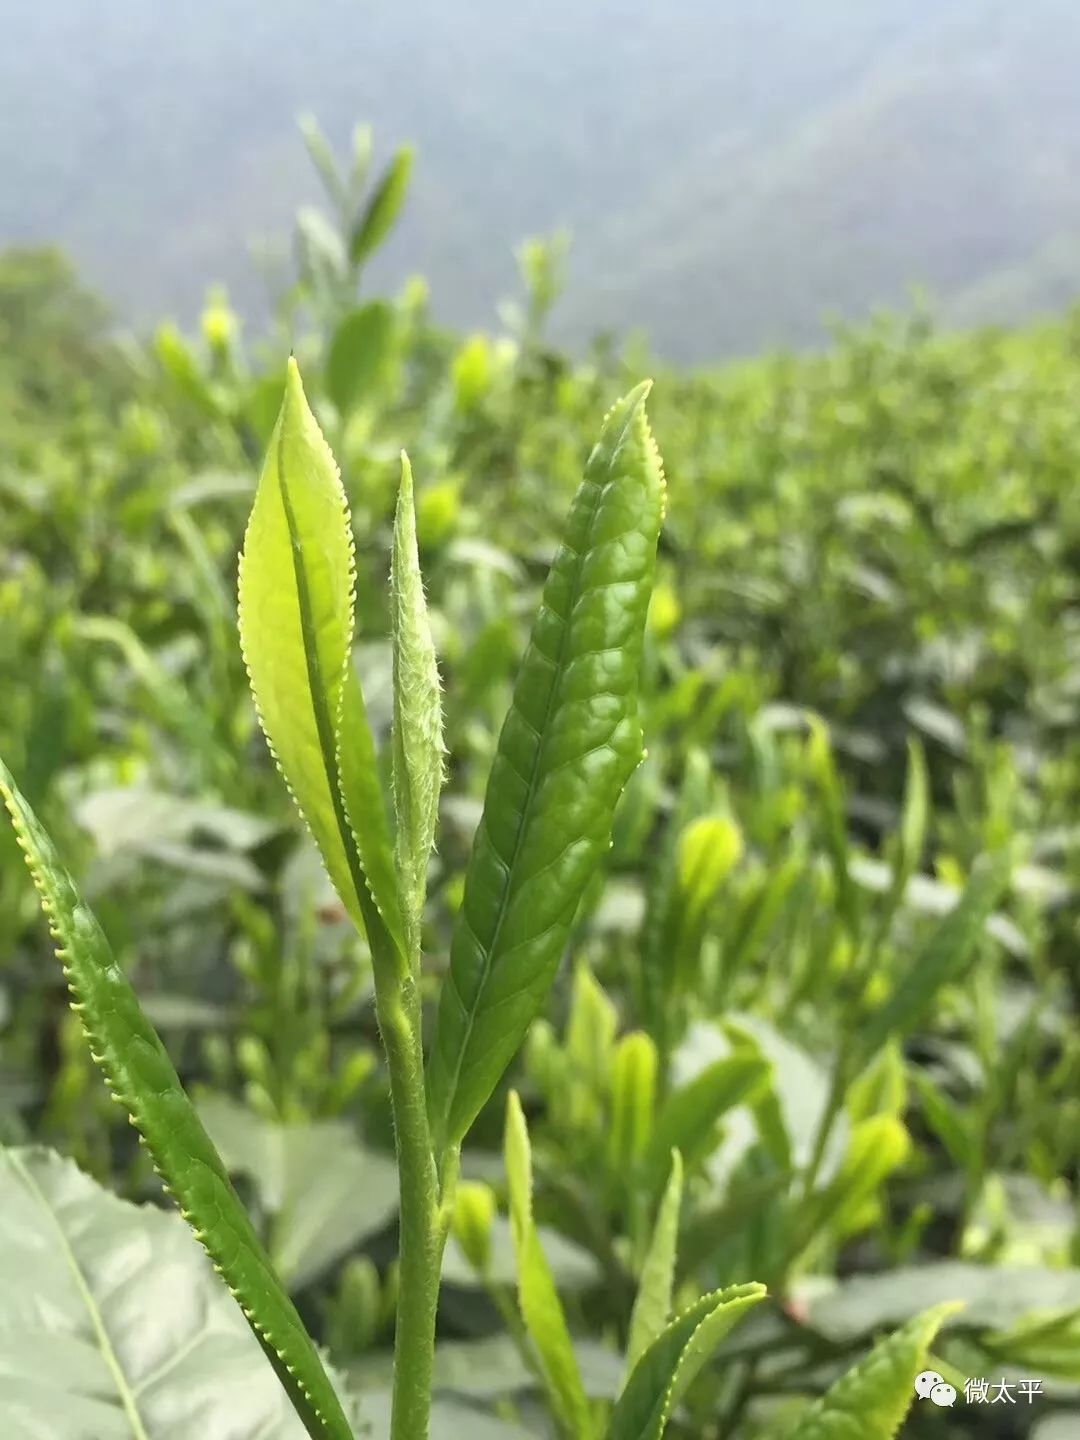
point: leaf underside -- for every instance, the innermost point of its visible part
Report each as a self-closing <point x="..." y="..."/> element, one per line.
<point x="113" y="1326"/>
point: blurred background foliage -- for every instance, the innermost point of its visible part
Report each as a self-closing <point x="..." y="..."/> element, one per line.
<point x="834" y="956"/>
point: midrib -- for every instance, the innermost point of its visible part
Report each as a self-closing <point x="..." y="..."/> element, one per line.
<point x="124" y="1391"/>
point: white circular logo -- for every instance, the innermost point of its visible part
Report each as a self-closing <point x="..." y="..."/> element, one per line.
<point x="926" y="1382"/>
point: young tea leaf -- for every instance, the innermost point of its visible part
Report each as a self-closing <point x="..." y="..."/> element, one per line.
<point x="663" y="1374"/>
<point x="688" y="1118"/>
<point x="359" y="354"/>
<point x="653" y="1304"/>
<point x="872" y="1399"/>
<point x="141" y="1076"/>
<point x="296" y="627"/>
<point x="568" y="745"/>
<point x="417" y="732"/>
<point x="541" y="1308"/>
<point x="383" y="208"/>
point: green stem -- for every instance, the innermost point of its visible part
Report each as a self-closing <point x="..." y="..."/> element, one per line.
<point x="421" y="1234"/>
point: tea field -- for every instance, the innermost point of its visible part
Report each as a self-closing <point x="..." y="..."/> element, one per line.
<point x="833" y="957"/>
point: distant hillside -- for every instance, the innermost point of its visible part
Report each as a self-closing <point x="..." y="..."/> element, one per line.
<point x="730" y="171"/>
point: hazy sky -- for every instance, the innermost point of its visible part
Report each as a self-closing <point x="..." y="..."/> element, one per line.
<point x="725" y="166"/>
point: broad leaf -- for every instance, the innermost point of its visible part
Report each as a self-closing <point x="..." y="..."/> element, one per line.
<point x="652" y="1305"/>
<point x="417" y="731"/>
<point x="568" y="745"/>
<point x="296" y="627"/>
<point x="360" y="351"/>
<point x="870" y="1401"/>
<point x="141" y="1076"/>
<point x="993" y="1295"/>
<point x="113" y="1325"/>
<point x="541" y="1308"/>
<point x="672" y="1361"/>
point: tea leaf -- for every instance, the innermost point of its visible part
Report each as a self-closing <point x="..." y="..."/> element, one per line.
<point x="114" y="1325"/>
<point x="140" y="1075"/>
<point x="296" y="626"/>
<point x="688" y="1117"/>
<point x="653" y="1304"/>
<point x="944" y="957"/>
<point x="383" y="208"/>
<point x="541" y="1308"/>
<point x="673" y="1360"/>
<point x="568" y="746"/>
<point x="359" y="352"/>
<point x="871" y="1400"/>
<point x="417" y="731"/>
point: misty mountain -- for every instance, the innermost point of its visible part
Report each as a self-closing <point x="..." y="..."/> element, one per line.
<point x="729" y="170"/>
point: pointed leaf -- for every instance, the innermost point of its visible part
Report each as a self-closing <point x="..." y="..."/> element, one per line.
<point x="538" y="1298"/>
<point x="569" y="743"/>
<point x="688" y="1117"/>
<point x="665" y="1371"/>
<point x="383" y="208"/>
<point x="870" y="1401"/>
<point x="296" y="626"/>
<point x="943" y="959"/>
<point x="653" y="1303"/>
<point x="141" y="1076"/>
<point x="417" y="733"/>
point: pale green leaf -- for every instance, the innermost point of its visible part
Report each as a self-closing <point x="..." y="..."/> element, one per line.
<point x="653" y="1303"/>
<point x="667" y="1368"/>
<point x="417" y="729"/>
<point x="870" y="1401"/>
<point x="113" y="1325"/>
<point x="296" y="628"/>
<point x="538" y="1298"/>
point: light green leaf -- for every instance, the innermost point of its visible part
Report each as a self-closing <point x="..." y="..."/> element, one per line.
<point x="569" y="743"/>
<point x="296" y="627"/>
<point x="871" y="1400"/>
<point x="634" y="1068"/>
<point x="823" y="768"/>
<point x="383" y="208"/>
<point x="359" y="353"/>
<point x="667" y="1368"/>
<point x="914" y="819"/>
<point x="417" y="729"/>
<point x="141" y="1076"/>
<point x="322" y="157"/>
<point x="688" y="1117"/>
<point x="876" y="1147"/>
<point x="113" y="1325"/>
<point x="653" y="1303"/>
<point x="538" y="1298"/>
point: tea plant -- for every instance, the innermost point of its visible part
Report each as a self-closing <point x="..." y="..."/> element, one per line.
<point x="570" y="742"/>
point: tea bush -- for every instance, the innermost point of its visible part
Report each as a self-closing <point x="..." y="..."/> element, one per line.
<point x="828" y="960"/>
